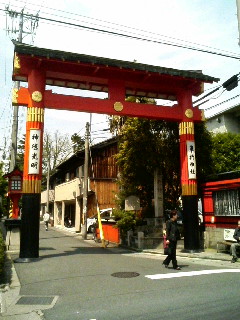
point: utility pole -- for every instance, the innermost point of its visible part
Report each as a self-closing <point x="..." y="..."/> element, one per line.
<point x="13" y="154"/>
<point x="238" y="16"/>
<point x="33" y="23"/>
<point x="48" y="178"/>
<point x="85" y="182"/>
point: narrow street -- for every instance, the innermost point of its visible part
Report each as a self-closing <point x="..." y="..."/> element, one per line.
<point x="88" y="282"/>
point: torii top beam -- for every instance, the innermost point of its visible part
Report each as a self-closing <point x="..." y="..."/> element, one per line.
<point x="117" y="78"/>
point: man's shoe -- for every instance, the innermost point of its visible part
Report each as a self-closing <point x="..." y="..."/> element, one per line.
<point x="233" y="260"/>
<point x="165" y="265"/>
<point x="177" y="268"/>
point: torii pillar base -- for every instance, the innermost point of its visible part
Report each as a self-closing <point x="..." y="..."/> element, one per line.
<point x="29" y="239"/>
<point x="191" y="227"/>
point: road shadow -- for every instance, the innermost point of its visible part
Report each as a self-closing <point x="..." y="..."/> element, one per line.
<point x="6" y="275"/>
<point x="86" y="251"/>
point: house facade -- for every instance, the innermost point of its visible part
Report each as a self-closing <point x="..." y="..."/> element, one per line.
<point x="221" y="192"/>
<point x="221" y="206"/>
<point x="225" y="121"/>
<point x="67" y="185"/>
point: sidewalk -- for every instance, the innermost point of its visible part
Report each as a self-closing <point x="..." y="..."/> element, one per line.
<point x="10" y="293"/>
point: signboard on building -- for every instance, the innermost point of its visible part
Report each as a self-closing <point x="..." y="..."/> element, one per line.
<point x="132" y="203"/>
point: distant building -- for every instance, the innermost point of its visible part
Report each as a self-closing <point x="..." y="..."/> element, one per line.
<point x="66" y="194"/>
<point x="221" y="205"/>
<point x="225" y="121"/>
<point x="221" y="192"/>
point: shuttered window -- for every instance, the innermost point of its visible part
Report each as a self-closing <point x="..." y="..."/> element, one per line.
<point x="226" y="202"/>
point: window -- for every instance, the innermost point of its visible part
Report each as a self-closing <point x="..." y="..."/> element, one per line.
<point x="16" y="183"/>
<point x="226" y="202"/>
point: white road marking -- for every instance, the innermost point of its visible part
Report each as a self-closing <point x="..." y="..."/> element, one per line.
<point x="189" y="274"/>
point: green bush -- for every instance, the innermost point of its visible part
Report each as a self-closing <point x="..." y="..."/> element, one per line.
<point x="2" y="253"/>
<point x="125" y="220"/>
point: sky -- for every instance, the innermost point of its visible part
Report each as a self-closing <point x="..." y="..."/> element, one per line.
<point x="210" y="23"/>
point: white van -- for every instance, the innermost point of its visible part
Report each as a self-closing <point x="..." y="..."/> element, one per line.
<point x="105" y="214"/>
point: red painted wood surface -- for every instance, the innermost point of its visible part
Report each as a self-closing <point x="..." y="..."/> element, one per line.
<point x="208" y="205"/>
<point x="111" y="233"/>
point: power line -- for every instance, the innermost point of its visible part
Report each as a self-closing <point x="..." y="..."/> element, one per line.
<point x="219" y="104"/>
<point x="115" y="24"/>
<point x="228" y="85"/>
<point x="131" y="36"/>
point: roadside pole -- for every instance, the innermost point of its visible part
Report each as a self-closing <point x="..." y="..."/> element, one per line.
<point x="13" y="155"/>
<point x="85" y="183"/>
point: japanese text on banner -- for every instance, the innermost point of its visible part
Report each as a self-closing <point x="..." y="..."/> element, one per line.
<point x="191" y="160"/>
<point x="34" y="151"/>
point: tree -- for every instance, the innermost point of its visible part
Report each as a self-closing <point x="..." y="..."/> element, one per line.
<point x="144" y="146"/>
<point x="3" y="192"/>
<point x="56" y="149"/>
<point x="149" y="144"/>
<point x="78" y="142"/>
<point x="226" y="152"/>
<point x="20" y="153"/>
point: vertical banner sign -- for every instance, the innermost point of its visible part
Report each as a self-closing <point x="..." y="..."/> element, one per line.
<point x="191" y="160"/>
<point x="34" y="151"/>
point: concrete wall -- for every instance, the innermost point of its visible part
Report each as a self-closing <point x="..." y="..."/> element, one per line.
<point x="223" y="123"/>
<point x="68" y="190"/>
<point x="232" y="124"/>
<point x="44" y="196"/>
<point x="212" y="236"/>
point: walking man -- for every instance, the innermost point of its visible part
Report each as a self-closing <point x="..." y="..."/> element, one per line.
<point x="234" y="246"/>
<point x="46" y="218"/>
<point x="173" y="235"/>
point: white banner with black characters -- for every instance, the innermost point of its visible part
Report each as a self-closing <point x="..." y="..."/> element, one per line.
<point x="191" y="160"/>
<point x="34" y="151"/>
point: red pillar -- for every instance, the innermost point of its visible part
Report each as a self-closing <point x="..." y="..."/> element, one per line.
<point x="32" y="174"/>
<point x="188" y="173"/>
<point x="15" y="208"/>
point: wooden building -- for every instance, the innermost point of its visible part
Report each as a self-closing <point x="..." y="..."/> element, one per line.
<point x="67" y="184"/>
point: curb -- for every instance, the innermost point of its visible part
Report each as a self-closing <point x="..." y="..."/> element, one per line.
<point x="11" y="289"/>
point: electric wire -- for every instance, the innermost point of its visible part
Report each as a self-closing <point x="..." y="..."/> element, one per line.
<point x="129" y="36"/>
<point x="213" y="91"/>
<point x="119" y="25"/>
<point x="219" y="104"/>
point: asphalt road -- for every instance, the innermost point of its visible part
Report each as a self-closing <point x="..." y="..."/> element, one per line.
<point x="80" y="275"/>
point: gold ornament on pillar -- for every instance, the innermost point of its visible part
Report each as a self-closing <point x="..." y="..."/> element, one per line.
<point x="14" y="96"/>
<point x="189" y="113"/>
<point x="189" y="189"/>
<point x="118" y="106"/>
<point x="186" y="128"/>
<point x="16" y="64"/>
<point x="35" y="114"/>
<point x="37" y="96"/>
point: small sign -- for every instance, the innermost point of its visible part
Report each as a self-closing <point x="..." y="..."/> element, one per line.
<point x="132" y="203"/>
<point x="34" y="151"/>
<point x="191" y="160"/>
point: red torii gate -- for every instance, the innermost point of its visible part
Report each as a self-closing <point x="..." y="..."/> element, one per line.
<point x="40" y="67"/>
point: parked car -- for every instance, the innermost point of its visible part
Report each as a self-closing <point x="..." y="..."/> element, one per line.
<point x="105" y="214"/>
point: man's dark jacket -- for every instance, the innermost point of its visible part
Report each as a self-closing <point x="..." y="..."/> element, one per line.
<point x="172" y="232"/>
<point x="236" y="235"/>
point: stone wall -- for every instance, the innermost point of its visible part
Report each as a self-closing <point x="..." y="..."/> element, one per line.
<point x="212" y="236"/>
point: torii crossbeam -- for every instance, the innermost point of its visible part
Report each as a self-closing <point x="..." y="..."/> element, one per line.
<point x="119" y="79"/>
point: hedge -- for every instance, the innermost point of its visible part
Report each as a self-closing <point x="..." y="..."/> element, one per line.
<point x="2" y="253"/>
